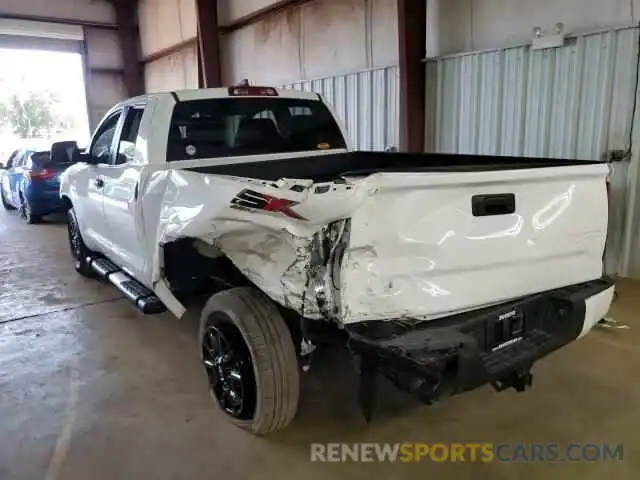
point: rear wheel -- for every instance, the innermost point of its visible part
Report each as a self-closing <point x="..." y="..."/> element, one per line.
<point x="250" y="360"/>
<point x="79" y="251"/>
<point x="5" y="203"/>
<point x="26" y="213"/>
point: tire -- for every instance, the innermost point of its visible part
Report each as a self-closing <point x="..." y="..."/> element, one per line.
<point x="25" y="212"/>
<point x="79" y="250"/>
<point x="269" y="355"/>
<point x="5" y="204"/>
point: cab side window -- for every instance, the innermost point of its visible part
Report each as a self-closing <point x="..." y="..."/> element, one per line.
<point x="12" y="159"/>
<point x="127" y="144"/>
<point x="103" y="141"/>
<point x="20" y="158"/>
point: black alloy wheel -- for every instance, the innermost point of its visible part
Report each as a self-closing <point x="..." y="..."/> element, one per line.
<point x="79" y="251"/>
<point x="228" y="364"/>
<point x="75" y="242"/>
<point x="250" y="360"/>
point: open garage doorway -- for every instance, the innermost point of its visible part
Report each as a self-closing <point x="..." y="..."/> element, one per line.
<point x="42" y="99"/>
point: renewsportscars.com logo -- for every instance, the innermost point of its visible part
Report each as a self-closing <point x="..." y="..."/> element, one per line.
<point x="466" y="452"/>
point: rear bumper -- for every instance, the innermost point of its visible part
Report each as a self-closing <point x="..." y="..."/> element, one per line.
<point x="44" y="202"/>
<point x="495" y="345"/>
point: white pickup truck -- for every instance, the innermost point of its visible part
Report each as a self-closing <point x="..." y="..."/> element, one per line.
<point x="441" y="272"/>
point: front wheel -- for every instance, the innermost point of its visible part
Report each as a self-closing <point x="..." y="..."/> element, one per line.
<point x="79" y="251"/>
<point x="250" y="360"/>
<point x="25" y="212"/>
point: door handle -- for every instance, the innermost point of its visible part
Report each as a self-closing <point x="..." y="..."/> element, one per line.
<point x="99" y="182"/>
<point x="489" y="205"/>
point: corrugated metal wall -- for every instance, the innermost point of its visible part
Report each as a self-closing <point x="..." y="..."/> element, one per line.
<point x="570" y="102"/>
<point x="367" y="102"/>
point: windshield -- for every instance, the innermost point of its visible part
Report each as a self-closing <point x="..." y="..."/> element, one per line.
<point x="250" y="126"/>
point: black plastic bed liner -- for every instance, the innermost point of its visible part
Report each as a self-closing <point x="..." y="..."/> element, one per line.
<point x="329" y="167"/>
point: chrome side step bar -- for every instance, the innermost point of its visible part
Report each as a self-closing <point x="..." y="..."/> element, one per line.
<point x="143" y="298"/>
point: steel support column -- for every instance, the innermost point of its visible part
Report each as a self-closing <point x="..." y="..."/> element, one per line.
<point x="126" y="16"/>
<point x="210" y="69"/>
<point x="200" y="72"/>
<point x="412" y="16"/>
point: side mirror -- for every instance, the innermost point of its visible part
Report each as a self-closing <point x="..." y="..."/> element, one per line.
<point x="64" y="152"/>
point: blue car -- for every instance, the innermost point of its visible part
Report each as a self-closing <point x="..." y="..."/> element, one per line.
<point x="30" y="184"/>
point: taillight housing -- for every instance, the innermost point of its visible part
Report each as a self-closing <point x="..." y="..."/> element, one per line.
<point x="44" y="174"/>
<point x="606" y="242"/>
<point x="246" y="91"/>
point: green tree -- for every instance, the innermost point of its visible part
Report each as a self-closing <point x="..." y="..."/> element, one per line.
<point x="33" y="115"/>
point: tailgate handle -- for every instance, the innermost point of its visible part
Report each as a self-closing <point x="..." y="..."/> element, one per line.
<point x="495" y="204"/>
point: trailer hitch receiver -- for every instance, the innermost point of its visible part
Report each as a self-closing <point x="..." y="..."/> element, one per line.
<point x="519" y="380"/>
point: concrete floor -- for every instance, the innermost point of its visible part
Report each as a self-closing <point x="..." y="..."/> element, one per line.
<point x="89" y="388"/>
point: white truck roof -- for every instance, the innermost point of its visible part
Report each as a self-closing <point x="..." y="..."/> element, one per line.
<point x="222" y="92"/>
<point x="204" y="93"/>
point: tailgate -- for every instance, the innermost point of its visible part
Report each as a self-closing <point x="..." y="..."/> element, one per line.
<point x="430" y="244"/>
<point x="52" y="171"/>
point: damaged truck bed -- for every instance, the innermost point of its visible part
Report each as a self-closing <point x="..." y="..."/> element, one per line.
<point x="447" y="272"/>
<point x="441" y="272"/>
<point x="366" y="236"/>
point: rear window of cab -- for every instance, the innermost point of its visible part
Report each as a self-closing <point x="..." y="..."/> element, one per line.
<point x="233" y="126"/>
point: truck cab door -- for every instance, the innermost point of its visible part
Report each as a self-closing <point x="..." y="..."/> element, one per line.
<point x="120" y="196"/>
<point x="90" y="185"/>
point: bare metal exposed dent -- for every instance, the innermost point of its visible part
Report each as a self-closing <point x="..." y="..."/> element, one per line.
<point x="412" y="248"/>
<point x="292" y="261"/>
